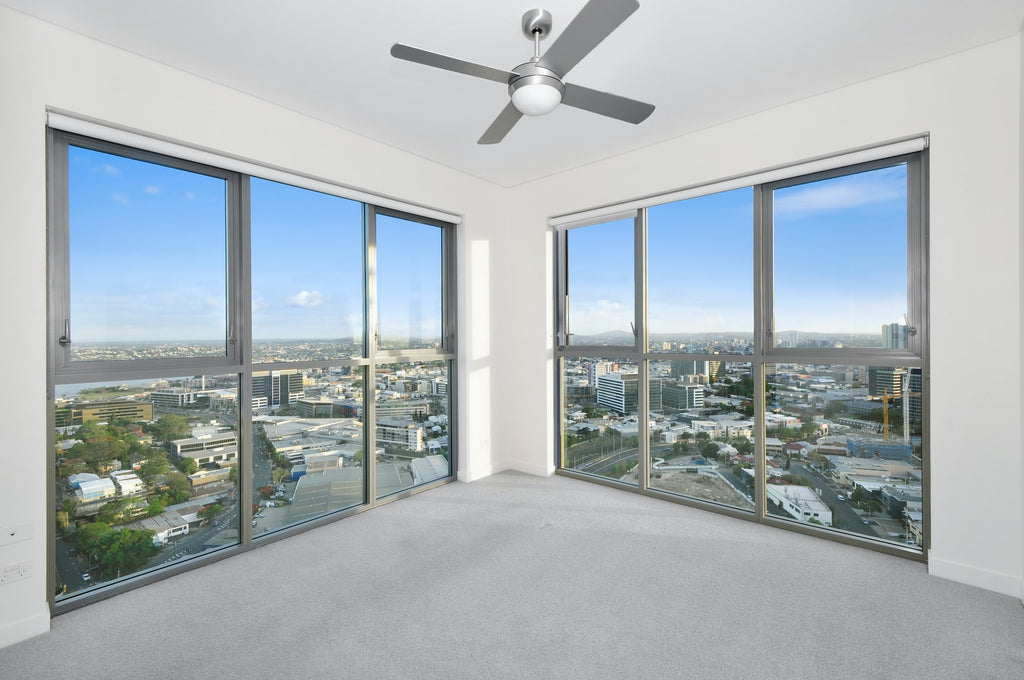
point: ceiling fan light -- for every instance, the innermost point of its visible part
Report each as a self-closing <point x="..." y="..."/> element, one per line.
<point x="536" y="95"/>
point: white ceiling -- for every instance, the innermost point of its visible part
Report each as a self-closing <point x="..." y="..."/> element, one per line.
<point x="700" y="62"/>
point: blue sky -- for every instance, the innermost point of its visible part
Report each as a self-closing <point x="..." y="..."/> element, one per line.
<point x="147" y="248"/>
<point x="147" y="259"/>
<point x="840" y="261"/>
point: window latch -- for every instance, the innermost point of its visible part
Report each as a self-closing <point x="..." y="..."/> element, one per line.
<point x="65" y="340"/>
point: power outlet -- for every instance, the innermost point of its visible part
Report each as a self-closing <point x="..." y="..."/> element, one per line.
<point x="15" y="572"/>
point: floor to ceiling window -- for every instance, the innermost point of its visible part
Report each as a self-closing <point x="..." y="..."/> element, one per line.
<point x="231" y="358"/>
<point x="758" y="350"/>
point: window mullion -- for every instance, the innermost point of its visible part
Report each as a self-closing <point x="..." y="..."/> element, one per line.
<point x="371" y="329"/>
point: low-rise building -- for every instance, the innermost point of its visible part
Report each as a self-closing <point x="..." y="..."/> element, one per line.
<point x="209" y="476"/>
<point x="309" y="407"/>
<point x="164" y="526"/>
<point x="404" y="433"/>
<point x="800" y="502"/>
<point x="127" y="483"/>
<point x="95" y="490"/>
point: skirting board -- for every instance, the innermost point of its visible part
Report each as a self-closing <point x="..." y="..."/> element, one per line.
<point x="1006" y="584"/>
<point x="28" y="627"/>
<point x="531" y="466"/>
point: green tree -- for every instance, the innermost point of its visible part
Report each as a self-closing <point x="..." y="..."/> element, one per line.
<point x="154" y="464"/>
<point x="118" y="511"/>
<point x="189" y="466"/>
<point x="210" y="511"/>
<point x="89" y="538"/>
<point x="709" y="450"/>
<point x="177" y="487"/>
<point x="170" y="427"/>
<point x="125" y="551"/>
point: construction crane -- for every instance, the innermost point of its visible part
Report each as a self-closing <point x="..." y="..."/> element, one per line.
<point x="905" y="395"/>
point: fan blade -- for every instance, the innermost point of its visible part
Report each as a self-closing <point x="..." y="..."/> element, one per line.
<point x="508" y="117"/>
<point x="596" y="20"/>
<point x="415" y="54"/>
<point x="605" y="104"/>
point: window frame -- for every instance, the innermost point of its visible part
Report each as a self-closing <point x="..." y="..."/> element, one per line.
<point x="916" y="313"/>
<point x="59" y="294"/>
<point x="238" y="359"/>
<point x="764" y="352"/>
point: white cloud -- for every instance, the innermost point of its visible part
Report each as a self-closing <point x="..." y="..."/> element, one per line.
<point x="189" y="195"/>
<point x="260" y="303"/>
<point x="120" y="198"/>
<point x="107" y="169"/>
<point x="307" y="299"/>
<point x="597" y="316"/>
<point x="848" y="192"/>
<point x="152" y="190"/>
<point x="214" y="303"/>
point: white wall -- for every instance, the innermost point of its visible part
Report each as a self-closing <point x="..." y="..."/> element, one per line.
<point x="42" y="66"/>
<point x="970" y="104"/>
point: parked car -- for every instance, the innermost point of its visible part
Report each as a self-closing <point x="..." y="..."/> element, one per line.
<point x="841" y="497"/>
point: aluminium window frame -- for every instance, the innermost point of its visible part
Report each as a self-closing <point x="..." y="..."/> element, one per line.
<point x="238" y="361"/>
<point x="764" y="354"/>
<point x="59" y="293"/>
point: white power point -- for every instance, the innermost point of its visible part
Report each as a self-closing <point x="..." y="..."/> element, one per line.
<point x="15" y="572"/>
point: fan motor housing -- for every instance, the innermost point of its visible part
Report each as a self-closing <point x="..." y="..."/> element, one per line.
<point x="529" y="73"/>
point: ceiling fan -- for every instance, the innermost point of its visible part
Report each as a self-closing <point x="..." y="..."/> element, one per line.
<point x="536" y="87"/>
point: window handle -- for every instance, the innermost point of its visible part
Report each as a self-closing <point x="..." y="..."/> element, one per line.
<point x="65" y="340"/>
<point x="911" y="330"/>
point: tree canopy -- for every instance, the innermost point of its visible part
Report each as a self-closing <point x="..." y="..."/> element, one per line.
<point x="170" y="427"/>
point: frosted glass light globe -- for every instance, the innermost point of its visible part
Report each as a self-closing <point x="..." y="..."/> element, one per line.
<point x="536" y="99"/>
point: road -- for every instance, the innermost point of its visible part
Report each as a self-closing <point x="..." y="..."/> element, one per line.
<point x="848" y="518"/>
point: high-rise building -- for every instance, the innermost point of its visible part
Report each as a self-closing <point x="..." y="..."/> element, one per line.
<point x="276" y="388"/>
<point x="682" y="395"/>
<point x="683" y="367"/>
<point x="884" y="381"/>
<point x="914" y="401"/>
<point x="599" y="368"/>
<point x="894" y="336"/>
<point x="106" y="411"/>
<point x="620" y="392"/>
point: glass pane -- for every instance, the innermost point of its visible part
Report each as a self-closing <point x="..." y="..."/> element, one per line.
<point x="840" y="261"/>
<point x="600" y="425"/>
<point x="412" y="425"/>
<point x="600" y="282"/>
<point x="147" y="259"/>
<point x="308" y="447"/>
<point x="843" y="446"/>
<point x="147" y="475"/>
<point x="700" y="274"/>
<point x="410" y="257"/>
<point x="702" y="430"/>
<point x="307" y="274"/>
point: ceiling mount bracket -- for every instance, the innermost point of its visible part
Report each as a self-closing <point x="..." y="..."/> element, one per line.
<point x="536" y="24"/>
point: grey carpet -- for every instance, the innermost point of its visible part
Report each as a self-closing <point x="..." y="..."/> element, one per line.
<point x="516" y="576"/>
